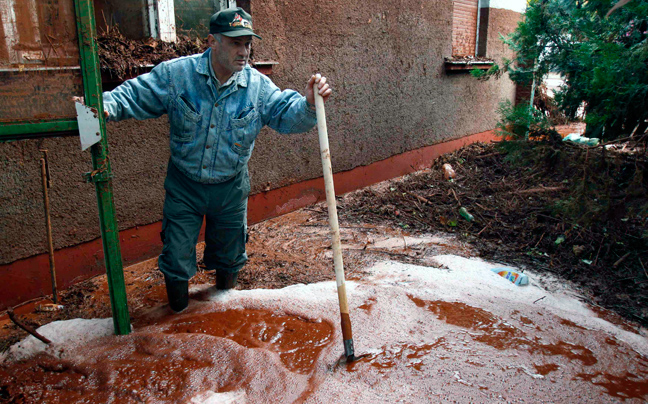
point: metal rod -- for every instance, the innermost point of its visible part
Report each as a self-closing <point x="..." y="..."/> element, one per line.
<point x="87" y="31"/>
<point x="48" y="221"/>
<point x="20" y="130"/>
<point x="533" y="89"/>
<point x="347" y="334"/>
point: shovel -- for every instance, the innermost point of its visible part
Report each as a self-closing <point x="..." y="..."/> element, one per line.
<point x="347" y="335"/>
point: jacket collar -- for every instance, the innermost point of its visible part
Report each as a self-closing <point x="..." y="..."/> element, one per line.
<point x="203" y="68"/>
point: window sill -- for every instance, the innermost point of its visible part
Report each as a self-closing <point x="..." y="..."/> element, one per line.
<point x="264" y="66"/>
<point x="464" y="64"/>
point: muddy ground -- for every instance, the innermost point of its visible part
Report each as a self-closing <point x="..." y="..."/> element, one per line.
<point x="534" y="215"/>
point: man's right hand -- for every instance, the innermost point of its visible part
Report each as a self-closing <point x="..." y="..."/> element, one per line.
<point x="82" y="101"/>
<point x="323" y="88"/>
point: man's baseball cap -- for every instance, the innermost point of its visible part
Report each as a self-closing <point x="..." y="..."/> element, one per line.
<point x="232" y="22"/>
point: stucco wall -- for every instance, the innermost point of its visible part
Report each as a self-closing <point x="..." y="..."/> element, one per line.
<point x="384" y="61"/>
<point x="139" y="153"/>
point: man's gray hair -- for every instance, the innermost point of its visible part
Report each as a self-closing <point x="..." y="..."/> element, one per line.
<point x="219" y="38"/>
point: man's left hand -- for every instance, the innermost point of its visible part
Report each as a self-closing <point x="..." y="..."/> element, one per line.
<point x="324" y="89"/>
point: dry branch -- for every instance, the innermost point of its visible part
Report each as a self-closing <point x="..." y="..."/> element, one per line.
<point x="27" y="328"/>
<point x="537" y="190"/>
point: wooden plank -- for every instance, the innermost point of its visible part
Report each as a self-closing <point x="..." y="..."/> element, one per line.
<point x="166" y="20"/>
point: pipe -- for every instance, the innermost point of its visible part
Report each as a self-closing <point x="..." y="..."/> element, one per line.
<point x="87" y="32"/>
<point x="48" y="221"/>
<point x="347" y="334"/>
<point x="152" y="19"/>
<point x="38" y="69"/>
<point x="533" y="89"/>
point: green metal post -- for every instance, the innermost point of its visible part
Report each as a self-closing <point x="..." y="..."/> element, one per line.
<point x="101" y="174"/>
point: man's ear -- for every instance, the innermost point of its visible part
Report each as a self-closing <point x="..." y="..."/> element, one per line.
<point x="211" y="41"/>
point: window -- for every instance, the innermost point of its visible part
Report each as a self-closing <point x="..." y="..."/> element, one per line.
<point x="469" y="34"/>
<point x="464" y="27"/>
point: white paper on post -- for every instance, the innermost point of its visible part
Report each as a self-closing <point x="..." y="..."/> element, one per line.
<point x="89" y="130"/>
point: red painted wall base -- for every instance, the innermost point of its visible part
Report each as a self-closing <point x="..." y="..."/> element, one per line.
<point x="29" y="278"/>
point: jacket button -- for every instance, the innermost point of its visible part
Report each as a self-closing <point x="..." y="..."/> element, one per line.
<point x="212" y="126"/>
<point x="204" y="167"/>
<point x="207" y="147"/>
<point x="216" y="105"/>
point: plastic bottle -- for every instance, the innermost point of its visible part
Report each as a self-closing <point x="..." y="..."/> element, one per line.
<point x="578" y="139"/>
<point x="515" y="277"/>
<point x="448" y="172"/>
<point x="464" y="213"/>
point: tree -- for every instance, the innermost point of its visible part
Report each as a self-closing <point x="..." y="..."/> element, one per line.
<point x="604" y="59"/>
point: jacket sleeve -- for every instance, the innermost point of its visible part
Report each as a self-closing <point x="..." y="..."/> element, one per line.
<point x="143" y="97"/>
<point x="285" y="111"/>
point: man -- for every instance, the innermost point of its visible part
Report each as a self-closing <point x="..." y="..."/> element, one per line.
<point x="216" y="105"/>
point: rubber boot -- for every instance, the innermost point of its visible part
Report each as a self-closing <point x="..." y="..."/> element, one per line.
<point x="177" y="293"/>
<point x="226" y="280"/>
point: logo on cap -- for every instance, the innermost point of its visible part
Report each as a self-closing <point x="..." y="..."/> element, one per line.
<point x="239" y="21"/>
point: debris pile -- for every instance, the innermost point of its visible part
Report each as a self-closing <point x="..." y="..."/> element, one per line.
<point x="121" y="57"/>
<point x="578" y="212"/>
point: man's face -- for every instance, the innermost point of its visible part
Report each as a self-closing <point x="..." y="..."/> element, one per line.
<point x="231" y="54"/>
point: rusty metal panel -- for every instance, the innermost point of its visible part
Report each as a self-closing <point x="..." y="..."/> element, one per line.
<point x="41" y="95"/>
<point x="39" y="58"/>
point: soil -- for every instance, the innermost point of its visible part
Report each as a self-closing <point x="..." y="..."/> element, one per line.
<point x="579" y="213"/>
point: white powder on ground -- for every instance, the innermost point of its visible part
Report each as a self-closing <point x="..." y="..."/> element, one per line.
<point x="388" y="324"/>
<point x="70" y="333"/>
<point x="467" y="280"/>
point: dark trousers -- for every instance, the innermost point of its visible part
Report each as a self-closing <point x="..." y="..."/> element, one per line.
<point x="224" y="206"/>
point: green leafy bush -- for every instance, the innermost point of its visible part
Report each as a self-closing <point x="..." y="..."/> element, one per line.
<point x="603" y="59"/>
<point x="519" y="121"/>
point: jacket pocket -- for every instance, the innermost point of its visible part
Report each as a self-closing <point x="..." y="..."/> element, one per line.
<point x="244" y="131"/>
<point x="184" y="120"/>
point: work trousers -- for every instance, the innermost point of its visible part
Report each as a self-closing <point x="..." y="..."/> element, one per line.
<point x="187" y="203"/>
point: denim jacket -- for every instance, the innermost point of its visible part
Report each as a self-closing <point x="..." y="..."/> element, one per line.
<point x="212" y="133"/>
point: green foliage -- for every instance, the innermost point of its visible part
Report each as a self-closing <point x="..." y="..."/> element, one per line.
<point x="604" y="60"/>
<point x="519" y="121"/>
<point x="494" y="71"/>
